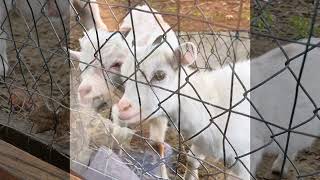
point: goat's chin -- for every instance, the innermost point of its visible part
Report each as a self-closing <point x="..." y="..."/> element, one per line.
<point x="85" y="103"/>
<point x="133" y="120"/>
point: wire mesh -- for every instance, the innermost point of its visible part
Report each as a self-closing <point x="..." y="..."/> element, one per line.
<point x="41" y="109"/>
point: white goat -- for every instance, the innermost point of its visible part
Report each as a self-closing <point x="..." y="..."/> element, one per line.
<point x="32" y="10"/>
<point x="274" y="101"/>
<point x="93" y="90"/>
<point x="148" y="25"/>
<point x="95" y="85"/>
<point x="158" y="81"/>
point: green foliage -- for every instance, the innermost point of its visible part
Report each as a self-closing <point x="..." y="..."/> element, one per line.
<point x="301" y="26"/>
<point x="266" y="19"/>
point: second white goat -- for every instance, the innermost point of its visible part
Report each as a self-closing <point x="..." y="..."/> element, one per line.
<point x="205" y="99"/>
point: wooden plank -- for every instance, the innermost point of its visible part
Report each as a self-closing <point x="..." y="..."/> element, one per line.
<point x="25" y="166"/>
<point x="35" y="146"/>
<point x="6" y="175"/>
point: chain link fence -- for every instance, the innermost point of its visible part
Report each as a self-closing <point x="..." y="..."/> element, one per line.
<point x="62" y="77"/>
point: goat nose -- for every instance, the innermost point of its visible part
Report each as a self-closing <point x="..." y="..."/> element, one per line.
<point x="85" y="90"/>
<point x="124" y="105"/>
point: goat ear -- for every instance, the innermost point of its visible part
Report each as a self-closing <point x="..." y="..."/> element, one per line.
<point x="186" y="53"/>
<point x="157" y="41"/>
<point x="125" y="31"/>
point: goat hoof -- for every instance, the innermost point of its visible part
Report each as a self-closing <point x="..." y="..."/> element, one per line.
<point x="190" y="176"/>
<point x="277" y="172"/>
<point x="276" y="169"/>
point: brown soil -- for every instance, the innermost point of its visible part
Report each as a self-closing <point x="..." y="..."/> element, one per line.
<point x="194" y="16"/>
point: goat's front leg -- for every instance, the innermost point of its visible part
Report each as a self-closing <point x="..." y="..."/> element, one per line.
<point x="194" y="158"/>
<point x="277" y="164"/>
<point x="158" y="128"/>
<point x="3" y="54"/>
<point x="4" y="7"/>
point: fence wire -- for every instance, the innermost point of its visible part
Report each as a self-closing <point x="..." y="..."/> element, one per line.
<point x="43" y="81"/>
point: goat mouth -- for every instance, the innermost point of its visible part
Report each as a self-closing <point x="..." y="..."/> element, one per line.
<point x="101" y="106"/>
<point x="116" y="66"/>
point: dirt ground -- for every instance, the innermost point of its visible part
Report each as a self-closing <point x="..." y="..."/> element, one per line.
<point x="206" y="16"/>
<point x="285" y="19"/>
<point x="194" y="15"/>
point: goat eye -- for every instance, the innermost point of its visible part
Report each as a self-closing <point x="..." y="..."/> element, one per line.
<point x="158" y="76"/>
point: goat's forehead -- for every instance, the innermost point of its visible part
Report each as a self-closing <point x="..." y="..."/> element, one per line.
<point x="90" y="39"/>
<point x="114" y="48"/>
<point x="146" y="66"/>
<point x="148" y="60"/>
<point x="160" y="58"/>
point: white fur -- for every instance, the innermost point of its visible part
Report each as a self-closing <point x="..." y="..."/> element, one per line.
<point x="146" y="28"/>
<point x="115" y="50"/>
<point x="214" y="87"/>
<point x="89" y="16"/>
<point x="4" y="33"/>
<point x="148" y="25"/>
<point x="274" y="100"/>
<point x="92" y="71"/>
